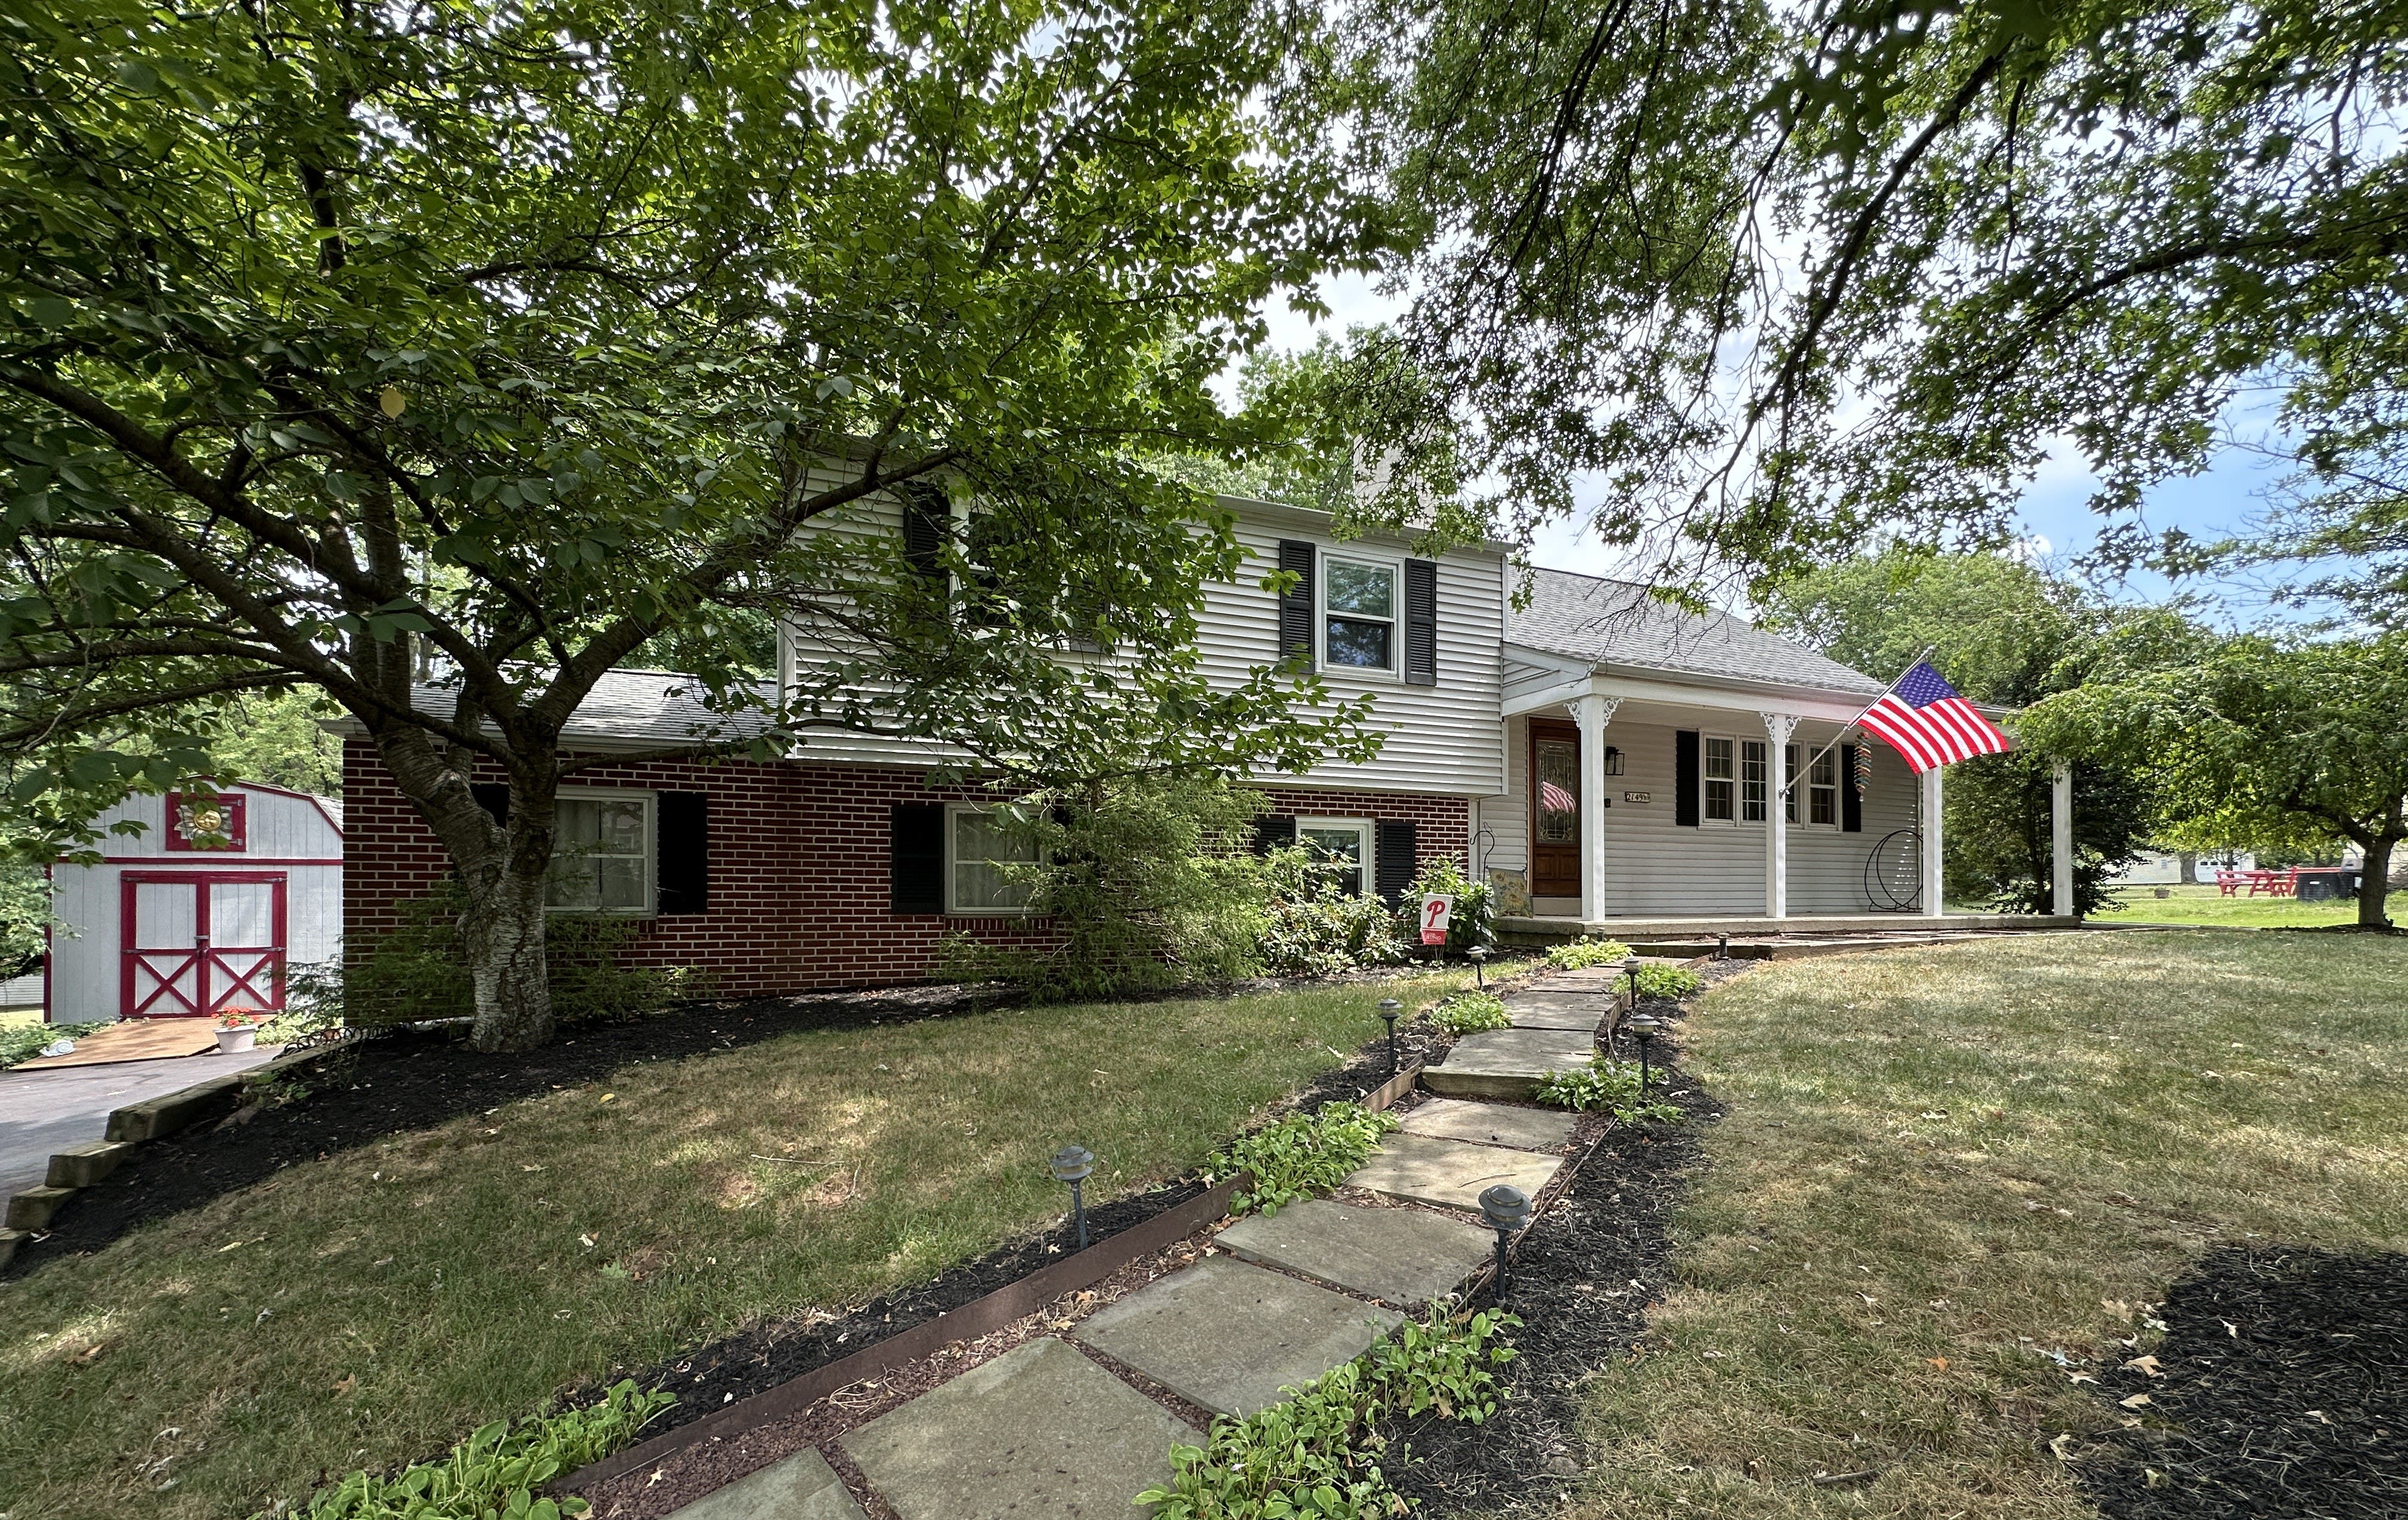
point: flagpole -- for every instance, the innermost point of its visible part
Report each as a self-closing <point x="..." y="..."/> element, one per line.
<point x="1808" y="769"/>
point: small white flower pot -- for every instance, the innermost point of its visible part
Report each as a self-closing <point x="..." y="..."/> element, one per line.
<point x="237" y="1040"/>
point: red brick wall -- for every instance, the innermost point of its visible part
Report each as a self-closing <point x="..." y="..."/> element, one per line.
<point x="785" y="841"/>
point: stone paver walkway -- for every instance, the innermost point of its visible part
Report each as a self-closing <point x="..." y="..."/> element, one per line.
<point x="1049" y="1430"/>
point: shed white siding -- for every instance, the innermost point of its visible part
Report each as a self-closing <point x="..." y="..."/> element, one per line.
<point x="286" y="834"/>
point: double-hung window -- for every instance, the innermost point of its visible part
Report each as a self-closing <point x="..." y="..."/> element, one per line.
<point x="1821" y="786"/>
<point x="1754" y="781"/>
<point x="1718" y="756"/>
<point x="1341" y="846"/>
<point x="984" y="851"/>
<point x="1359" y="599"/>
<point x="602" y="853"/>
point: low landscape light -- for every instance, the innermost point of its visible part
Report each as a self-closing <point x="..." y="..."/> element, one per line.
<point x="1479" y="954"/>
<point x="1722" y="947"/>
<point x="1074" y="1164"/>
<point x="1644" y="1025"/>
<point x="1506" y="1209"/>
<point x="1389" y="1009"/>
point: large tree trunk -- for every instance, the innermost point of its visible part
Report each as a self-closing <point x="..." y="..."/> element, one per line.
<point x="2189" y="866"/>
<point x="501" y="871"/>
<point x="2374" y="882"/>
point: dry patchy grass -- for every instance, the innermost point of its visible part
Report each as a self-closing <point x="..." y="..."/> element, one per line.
<point x="373" y="1307"/>
<point x="1941" y="1166"/>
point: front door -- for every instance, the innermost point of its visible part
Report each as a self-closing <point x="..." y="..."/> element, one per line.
<point x="200" y="943"/>
<point x="1554" y="809"/>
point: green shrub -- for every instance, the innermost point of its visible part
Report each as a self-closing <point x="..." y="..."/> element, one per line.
<point x="1470" y="1013"/>
<point x="1603" y="1084"/>
<point x="1581" y="952"/>
<point x="1668" y="982"/>
<point x="496" y="1472"/>
<point x="1148" y="882"/>
<point x="1317" y="1453"/>
<point x="1474" y="919"/>
<point x="1312" y="927"/>
<point x="23" y="1042"/>
<point x="1300" y="1154"/>
<point x="419" y="972"/>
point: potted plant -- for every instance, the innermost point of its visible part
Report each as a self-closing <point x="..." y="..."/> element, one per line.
<point x="236" y="1031"/>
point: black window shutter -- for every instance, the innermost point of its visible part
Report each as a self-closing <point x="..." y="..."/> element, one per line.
<point x="1685" y="778"/>
<point x="1851" y="806"/>
<point x="1421" y="623"/>
<point x="1394" y="865"/>
<point x="916" y="849"/>
<point x="683" y="832"/>
<point x="926" y="515"/>
<point x="494" y="797"/>
<point x="1274" y="831"/>
<point x="1296" y="606"/>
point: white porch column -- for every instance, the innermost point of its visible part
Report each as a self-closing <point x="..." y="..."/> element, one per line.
<point x="2060" y="838"/>
<point x="1778" y="727"/>
<point x="1595" y="712"/>
<point x="1935" y="903"/>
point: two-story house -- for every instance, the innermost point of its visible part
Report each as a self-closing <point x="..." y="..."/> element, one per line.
<point x="1606" y="760"/>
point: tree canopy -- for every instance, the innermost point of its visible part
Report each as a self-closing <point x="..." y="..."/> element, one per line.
<point x="1769" y="281"/>
<point x="438" y="360"/>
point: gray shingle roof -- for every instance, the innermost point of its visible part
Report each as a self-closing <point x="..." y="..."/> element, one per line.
<point x="1615" y="623"/>
<point x="649" y="707"/>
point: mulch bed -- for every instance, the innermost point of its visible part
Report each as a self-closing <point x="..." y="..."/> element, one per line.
<point x="411" y="1080"/>
<point x="2283" y="1390"/>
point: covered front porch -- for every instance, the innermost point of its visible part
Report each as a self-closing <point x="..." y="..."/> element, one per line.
<point x="1687" y="807"/>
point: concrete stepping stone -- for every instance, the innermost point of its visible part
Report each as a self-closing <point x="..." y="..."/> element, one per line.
<point x="1229" y="1337"/>
<point x="1449" y="1173"/>
<point x="801" y="1487"/>
<point x="1557" y="1010"/>
<point x="1404" y="1255"/>
<point x="1491" y="1124"/>
<point x="1039" y="1432"/>
<point x="1507" y="1063"/>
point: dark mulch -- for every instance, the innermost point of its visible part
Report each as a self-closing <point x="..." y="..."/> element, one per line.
<point x="1581" y="1282"/>
<point x="414" y="1079"/>
<point x="2284" y="1392"/>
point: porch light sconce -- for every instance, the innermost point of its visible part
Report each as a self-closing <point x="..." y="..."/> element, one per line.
<point x="1612" y="761"/>
<point x="1073" y="1163"/>
<point x="1389" y="1009"/>
<point x="1644" y="1025"/>
<point x="1506" y="1209"/>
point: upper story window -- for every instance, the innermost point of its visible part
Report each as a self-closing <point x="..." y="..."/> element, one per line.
<point x="1359" y="624"/>
<point x="601" y="853"/>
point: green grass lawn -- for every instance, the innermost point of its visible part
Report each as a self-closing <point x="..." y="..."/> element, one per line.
<point x="2192" y="903"/>
<point x="1938" y="1162"/>
<point x="373" y="1307"/>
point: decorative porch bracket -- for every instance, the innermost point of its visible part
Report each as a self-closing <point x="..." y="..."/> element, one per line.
<point x="1778" y="727"/>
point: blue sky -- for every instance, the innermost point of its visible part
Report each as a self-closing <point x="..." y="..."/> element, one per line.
<point x="2055" y="520"/>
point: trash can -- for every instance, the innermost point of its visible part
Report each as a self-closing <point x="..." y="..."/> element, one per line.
<point x="2326" y="885"/>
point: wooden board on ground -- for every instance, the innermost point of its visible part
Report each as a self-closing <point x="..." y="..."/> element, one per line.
<point x="134" y="1039"/>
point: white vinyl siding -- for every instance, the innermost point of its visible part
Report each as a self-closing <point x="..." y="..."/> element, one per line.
<point x="1658" y="868"/>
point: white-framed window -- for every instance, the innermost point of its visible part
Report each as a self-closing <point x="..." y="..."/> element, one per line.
<point x="980" y="848"/>
<point x="1821" y="788"/>
<point x="603" y="841"/>
<point x="1342" y="847"/>
<point x="1754" y="781"/>
<point x="1718" y="777"/>
<point x="1362" y="602"/>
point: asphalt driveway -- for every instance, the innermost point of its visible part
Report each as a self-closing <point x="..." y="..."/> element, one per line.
<point x="42" y="1112"/>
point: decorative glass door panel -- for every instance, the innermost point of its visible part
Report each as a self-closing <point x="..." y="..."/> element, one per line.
<point x="1554" y="809"/>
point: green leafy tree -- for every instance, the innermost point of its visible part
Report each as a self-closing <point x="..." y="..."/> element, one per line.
<point x="2280" y="742"/>
<point x="1770" y="281"/>
<point x="2003" y="631"/>
<point x="435" y="362"/>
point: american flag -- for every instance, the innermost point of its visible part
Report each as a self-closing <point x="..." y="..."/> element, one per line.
<point x="1925" y="720"/>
